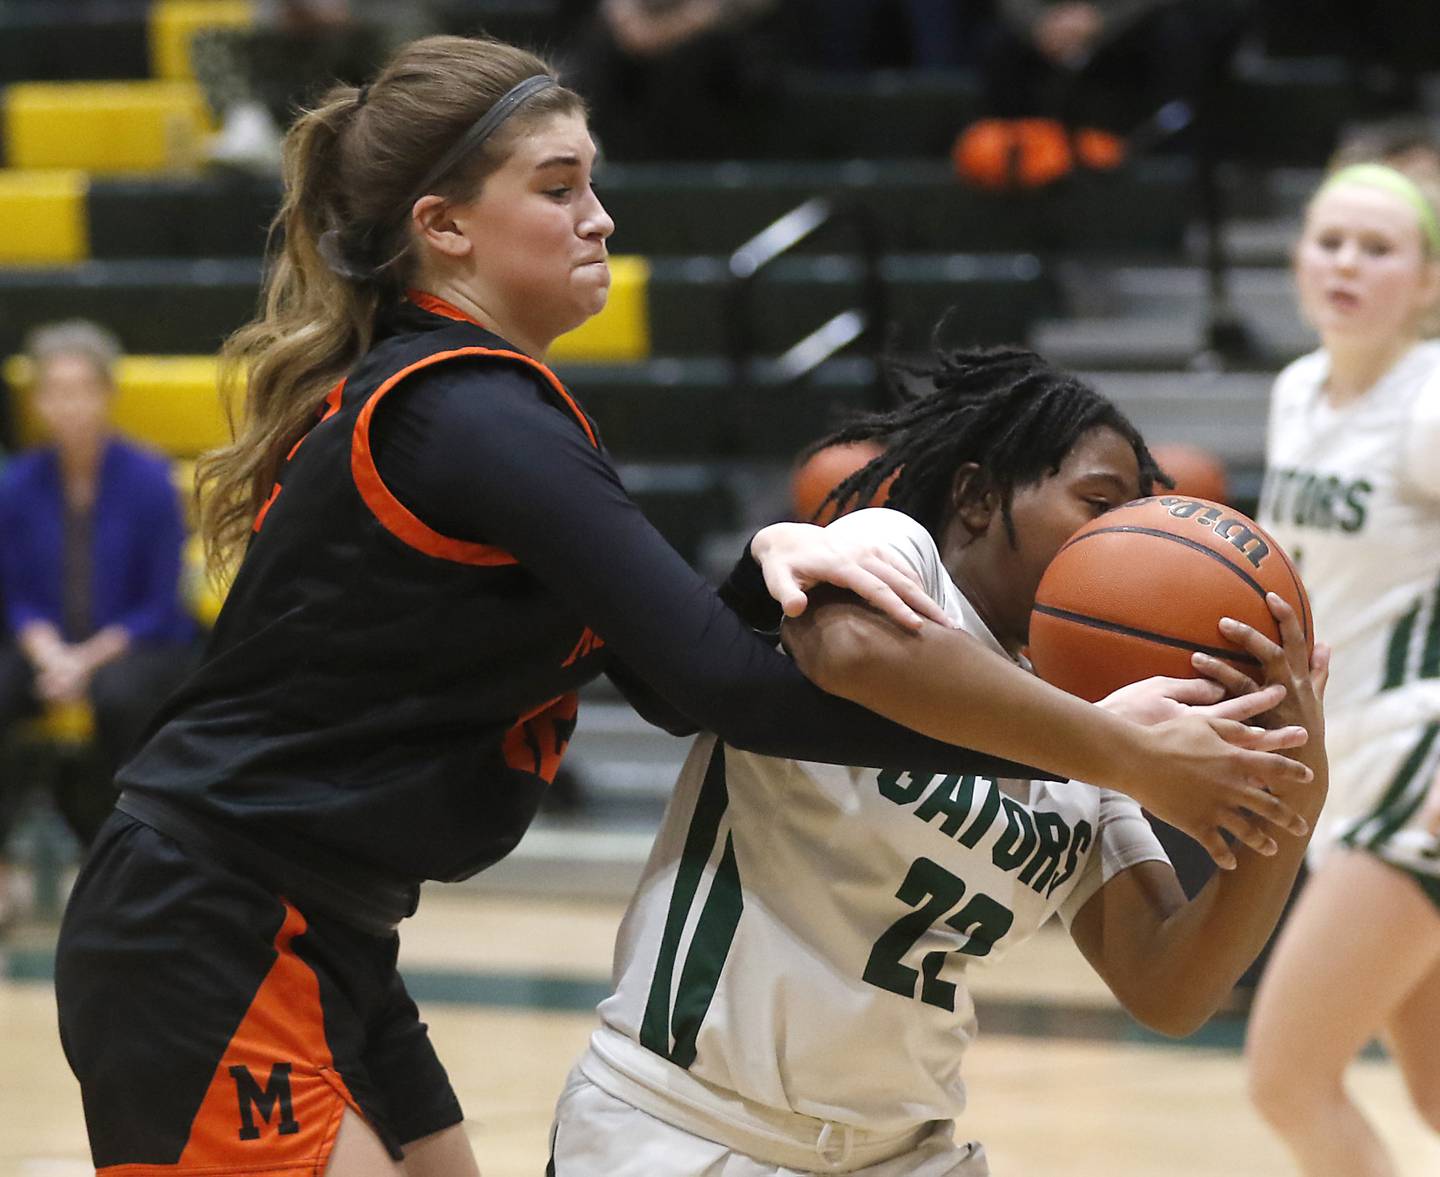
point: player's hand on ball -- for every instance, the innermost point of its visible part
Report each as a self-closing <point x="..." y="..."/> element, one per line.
<point x="1295" y="682"/>
<point x="795" y="557"/>
<point x="1302" y="674"/>
<point x="1208" y="778"/>
<point x="1154" y="700"/>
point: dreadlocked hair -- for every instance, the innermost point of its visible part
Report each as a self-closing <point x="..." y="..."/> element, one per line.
<point x="1004" y="409"/>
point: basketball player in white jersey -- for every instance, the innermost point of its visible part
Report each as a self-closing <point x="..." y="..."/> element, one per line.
<point x="790" y="990"/>
<point x="1353" y="492"/>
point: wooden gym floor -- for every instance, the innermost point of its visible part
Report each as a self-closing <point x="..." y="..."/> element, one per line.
<point x="1060" y="1082"/>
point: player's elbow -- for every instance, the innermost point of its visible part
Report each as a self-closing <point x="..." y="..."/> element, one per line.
<point x="1173" y="1014"/>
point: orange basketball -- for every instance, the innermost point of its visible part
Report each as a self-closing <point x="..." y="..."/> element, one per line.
<point x="1006" y="153"/>
<point x="1134" y="592"/>
<point x="826" y="469"/>
<point x="1197" y="473"/>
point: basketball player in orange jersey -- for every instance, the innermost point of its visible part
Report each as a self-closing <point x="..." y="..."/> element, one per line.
<point x="791" y="975"/>
<point x="436" y="553"/>
<point x="1352" y="489"/>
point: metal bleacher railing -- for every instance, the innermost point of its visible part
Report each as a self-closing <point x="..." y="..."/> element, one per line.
<point x="859" y="325"/>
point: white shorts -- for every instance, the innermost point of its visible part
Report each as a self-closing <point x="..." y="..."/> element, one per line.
<point x="1378" y="783"/>
<point x="597" y="1134"/>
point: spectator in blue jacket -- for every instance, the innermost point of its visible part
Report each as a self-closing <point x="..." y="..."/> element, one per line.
<point x="91" y="533"/>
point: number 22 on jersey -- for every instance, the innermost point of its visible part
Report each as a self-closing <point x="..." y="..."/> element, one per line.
<point x="933" y="891"/>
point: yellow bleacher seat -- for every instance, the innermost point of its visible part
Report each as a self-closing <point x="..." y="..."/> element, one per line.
<point x="621" y="332"/>
<point x="105" y="126"/>
<point x="174" y="23"/>
<point x="172" y="402"/>
<point x="43" y="218"/>
<point x="63" y="723"/>
<point x="169" y="402"/>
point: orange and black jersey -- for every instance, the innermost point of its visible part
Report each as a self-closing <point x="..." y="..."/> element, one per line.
<point x="447" y="556"/>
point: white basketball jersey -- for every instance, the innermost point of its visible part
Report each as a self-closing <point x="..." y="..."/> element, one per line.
<point x="802" y="933"/>
<point x="1358" y="511"/>
<point x="1353" y="494"/>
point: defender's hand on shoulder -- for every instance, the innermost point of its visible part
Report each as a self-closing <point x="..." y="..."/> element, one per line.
<point x="795" y="557"/>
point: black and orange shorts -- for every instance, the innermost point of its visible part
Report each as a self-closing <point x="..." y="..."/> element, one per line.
<point x="215" y="1029"/>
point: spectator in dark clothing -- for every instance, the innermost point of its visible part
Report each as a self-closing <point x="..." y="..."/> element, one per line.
<point x="675" y="79"/>
<point x="916" y="34"/>
<point x="90" y="548"/>
<point x="1106" y="63"/>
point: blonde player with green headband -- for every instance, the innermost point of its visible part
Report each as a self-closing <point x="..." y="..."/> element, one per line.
<point x="1353" y="491"/>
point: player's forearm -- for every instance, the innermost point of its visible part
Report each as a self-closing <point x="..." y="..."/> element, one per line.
<point x="1196" y="955"/>
<point x="944" y="684"/>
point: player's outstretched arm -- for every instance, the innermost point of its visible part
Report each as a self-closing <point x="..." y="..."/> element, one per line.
<point x="1201" y="773"/>
<point x="1173" y="962"/>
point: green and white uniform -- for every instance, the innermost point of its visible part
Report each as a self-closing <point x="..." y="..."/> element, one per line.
<point x="1353" y="493"/>
<point x="790" y="977"/>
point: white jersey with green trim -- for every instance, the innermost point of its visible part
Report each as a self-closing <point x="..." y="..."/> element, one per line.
<point x="802" y="932"/>
<point x="1353" y="494"/>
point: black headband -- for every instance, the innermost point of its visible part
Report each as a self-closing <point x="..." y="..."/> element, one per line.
<point x="342" y="257"/>
<point x="504" y="107"/>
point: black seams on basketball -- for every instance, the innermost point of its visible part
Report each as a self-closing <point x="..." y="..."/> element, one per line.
<point x="1136" y="591"/>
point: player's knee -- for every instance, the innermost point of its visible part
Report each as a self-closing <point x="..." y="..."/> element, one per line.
<point x="1294" y="1102"/>
<point x="1285" y="1099"/>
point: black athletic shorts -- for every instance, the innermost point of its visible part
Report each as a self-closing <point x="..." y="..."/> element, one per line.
<point x="215" y="1029"/>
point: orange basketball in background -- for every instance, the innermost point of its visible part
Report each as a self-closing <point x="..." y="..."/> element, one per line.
<point x="823" y="471"/>
<point x="1012" y="153"/>
<point x="1002" y="154"/>
<point x="1135" y="592"/>
<point x="1197" y="472"/>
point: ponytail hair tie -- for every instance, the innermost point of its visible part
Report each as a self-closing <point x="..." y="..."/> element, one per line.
<point x="363" y="96"/>
<point x="332" y="252"/>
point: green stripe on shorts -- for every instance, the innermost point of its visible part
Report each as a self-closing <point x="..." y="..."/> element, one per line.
<point x="1417" y="786"/>
<point x="1395" y="796"/>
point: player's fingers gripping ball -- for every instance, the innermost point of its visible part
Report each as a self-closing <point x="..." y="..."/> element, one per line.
<point x="1137" y="591"/>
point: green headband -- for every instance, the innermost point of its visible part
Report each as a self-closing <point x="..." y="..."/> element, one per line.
<point x="1388" y="179"/>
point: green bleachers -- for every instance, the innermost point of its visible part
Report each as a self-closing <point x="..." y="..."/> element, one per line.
<point x="179" y="306"/>
<point x="64" y="40"/>
<point x="919" y="206"/>
<point x="220" y="215"/>
<point x="164" y="305"/>
<point x="697" y="410"/>
<point x="1289" y="112"/>
<point x="169" y="255"/>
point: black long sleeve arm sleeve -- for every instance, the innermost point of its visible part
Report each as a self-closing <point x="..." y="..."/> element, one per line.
<point x="479" y="452"/>
<point x="745" y="593"/>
